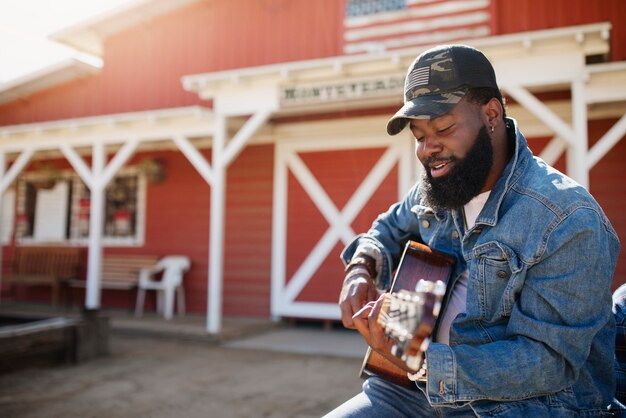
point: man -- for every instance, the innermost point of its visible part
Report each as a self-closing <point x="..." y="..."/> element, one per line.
<point x="527" y="329"/>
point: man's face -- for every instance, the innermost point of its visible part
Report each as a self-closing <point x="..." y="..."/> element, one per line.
<point x="457" y="155"/>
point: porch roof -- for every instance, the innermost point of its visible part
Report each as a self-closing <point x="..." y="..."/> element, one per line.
<point x="114" y="129"/>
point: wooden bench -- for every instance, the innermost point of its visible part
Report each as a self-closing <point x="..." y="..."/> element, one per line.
<point x="120" y="271"/>
<point x="45" y="266"/>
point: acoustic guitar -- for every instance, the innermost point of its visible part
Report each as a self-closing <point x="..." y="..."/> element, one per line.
<point x="410" y="311"/>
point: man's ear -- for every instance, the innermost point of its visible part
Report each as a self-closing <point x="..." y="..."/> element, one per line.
<point x="493" y="111"/>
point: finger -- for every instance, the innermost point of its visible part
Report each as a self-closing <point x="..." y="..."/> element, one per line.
<point x="364" y="312"/>
<point x="377" y="333"/>
<point x="361" y="320"/>
<point x="354" y="295"/>
<point x="361" y="325"/>
<point x="349" y="307"/>
<point x="346" y="315"/>
<point x="376" y="307"/>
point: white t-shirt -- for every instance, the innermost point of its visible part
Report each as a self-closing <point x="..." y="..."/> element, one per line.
<point x="458" y="299"/>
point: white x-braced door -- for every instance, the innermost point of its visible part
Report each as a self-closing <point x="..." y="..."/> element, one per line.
<point x="323" y="191"/>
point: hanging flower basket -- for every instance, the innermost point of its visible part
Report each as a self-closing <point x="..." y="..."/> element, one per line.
<point x="47" y="176"/>
<point x="44" y="184"/>
<point x="153" y="170"/>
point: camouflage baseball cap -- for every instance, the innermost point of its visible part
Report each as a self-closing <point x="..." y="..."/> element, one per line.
<point x="438" y="79"/>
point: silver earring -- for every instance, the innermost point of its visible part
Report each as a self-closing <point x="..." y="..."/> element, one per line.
<point x="492" y="129"/>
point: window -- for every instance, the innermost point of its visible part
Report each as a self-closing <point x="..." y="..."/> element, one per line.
<point x="120" y="211"/>
<point x="60" y="212"/>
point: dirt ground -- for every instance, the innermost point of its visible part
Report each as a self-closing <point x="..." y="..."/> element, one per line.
<point x="149" y="377"/>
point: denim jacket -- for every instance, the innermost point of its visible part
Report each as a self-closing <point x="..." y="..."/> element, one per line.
<point x="538" y="335"/>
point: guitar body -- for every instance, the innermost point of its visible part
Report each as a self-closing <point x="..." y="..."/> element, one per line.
<point x="421" y="269"/>
<point x="374" y="364"/>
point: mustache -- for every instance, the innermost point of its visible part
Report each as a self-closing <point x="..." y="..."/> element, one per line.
<point x="432" y="160"/>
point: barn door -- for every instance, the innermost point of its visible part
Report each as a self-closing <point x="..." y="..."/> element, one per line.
<point x="325" y="192"/>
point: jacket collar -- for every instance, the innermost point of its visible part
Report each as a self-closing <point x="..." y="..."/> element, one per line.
<point x="513" y="170"/>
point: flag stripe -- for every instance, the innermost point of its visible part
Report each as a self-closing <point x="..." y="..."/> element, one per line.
<point x="465" y="19"/>
<point x="430" y="38"/>
<point x="416" y="12"/>
<point x="411" y="2"/>
<point x="421" y="22"/>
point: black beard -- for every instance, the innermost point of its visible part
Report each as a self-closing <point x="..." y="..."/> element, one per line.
<point x="466" y="179"/>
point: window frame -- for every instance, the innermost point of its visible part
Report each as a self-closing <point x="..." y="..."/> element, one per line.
<point x="78" y="189"/>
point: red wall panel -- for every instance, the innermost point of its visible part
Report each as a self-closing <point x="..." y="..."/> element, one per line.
<point x="609" y="189"/>
<point x="511" y="16"/>
<point x="248" y="240"/>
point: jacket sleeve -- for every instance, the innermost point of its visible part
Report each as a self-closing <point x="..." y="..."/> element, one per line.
<point x="563" y="305"/>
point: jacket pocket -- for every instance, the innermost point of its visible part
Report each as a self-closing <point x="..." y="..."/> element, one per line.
<point x="427" y="223"/>
<point x="498" y="278"/>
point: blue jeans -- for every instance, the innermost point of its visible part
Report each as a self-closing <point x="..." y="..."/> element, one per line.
<point x="380" y="398"/>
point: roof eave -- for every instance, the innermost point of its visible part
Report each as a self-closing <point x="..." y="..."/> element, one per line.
<point x="61" y="72"/>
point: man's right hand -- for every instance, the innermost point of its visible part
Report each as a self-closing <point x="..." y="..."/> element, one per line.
<point x="358" y="289"/>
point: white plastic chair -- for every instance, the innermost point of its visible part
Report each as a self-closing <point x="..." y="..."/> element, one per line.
<point x="173" y="268"/>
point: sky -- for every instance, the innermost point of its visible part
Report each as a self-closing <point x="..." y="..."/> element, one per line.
<point x="24" y="25"/>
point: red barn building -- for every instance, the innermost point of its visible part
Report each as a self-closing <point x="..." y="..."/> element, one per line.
<point x="266" y="121"/>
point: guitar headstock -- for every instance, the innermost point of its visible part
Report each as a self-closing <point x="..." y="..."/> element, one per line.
<point x="408" y="318"/>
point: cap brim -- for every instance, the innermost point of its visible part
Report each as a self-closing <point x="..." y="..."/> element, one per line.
<point x="423" y="107"/>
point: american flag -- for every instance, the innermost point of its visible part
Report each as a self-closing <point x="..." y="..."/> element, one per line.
<point x="378" y="25"/>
